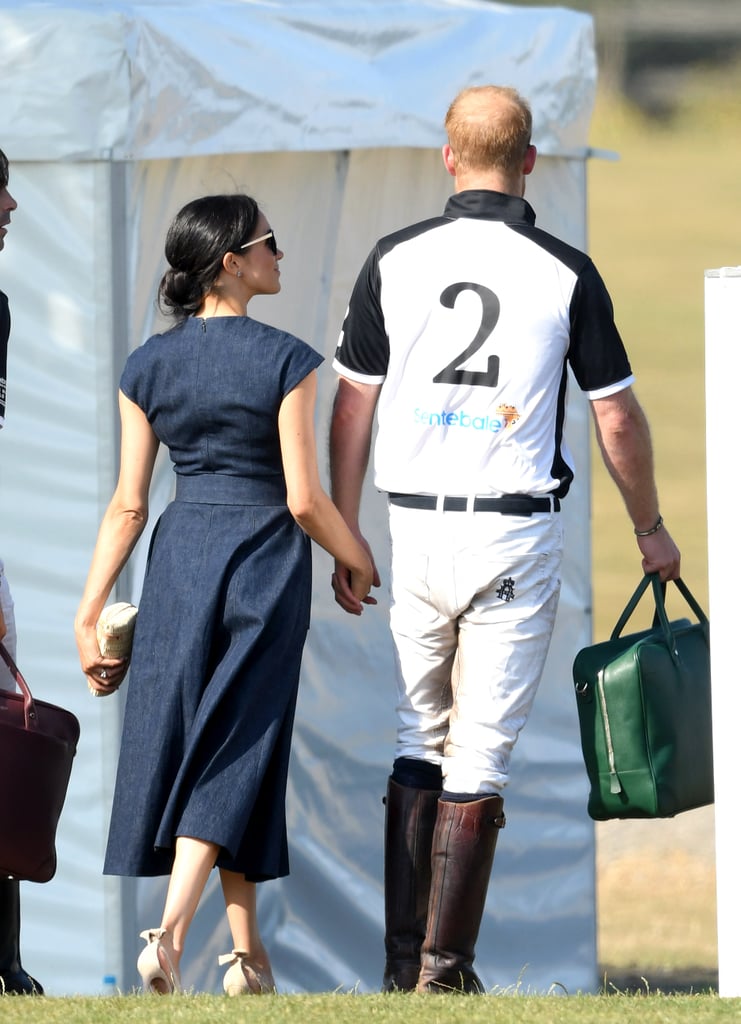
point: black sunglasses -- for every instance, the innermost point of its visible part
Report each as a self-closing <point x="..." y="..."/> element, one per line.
<point x="268" y="238"/>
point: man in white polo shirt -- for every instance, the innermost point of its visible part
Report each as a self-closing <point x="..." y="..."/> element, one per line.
<point x="458" y="335"/>
<point x="13" y="978"/>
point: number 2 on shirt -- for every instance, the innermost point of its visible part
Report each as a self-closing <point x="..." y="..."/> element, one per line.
<point x="452" y="374"/>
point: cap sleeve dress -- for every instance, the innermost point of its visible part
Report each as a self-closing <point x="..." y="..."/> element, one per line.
<point x="224" y="608"/>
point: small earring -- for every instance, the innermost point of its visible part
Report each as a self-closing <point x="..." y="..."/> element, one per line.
<point x="239" y="273"/>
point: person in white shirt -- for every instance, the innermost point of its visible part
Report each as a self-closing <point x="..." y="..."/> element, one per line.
<point x="13" y="978"/>
<point x="458" y="335"/>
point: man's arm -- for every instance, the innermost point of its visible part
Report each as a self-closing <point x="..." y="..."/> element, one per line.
<point x="625" y="443"/>
<point x="349" y="451"/>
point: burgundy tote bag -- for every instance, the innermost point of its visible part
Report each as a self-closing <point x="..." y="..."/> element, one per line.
<point x="38" y="742"/>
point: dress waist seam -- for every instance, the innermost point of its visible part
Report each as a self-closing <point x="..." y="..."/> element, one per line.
<point x="223" y="489"/>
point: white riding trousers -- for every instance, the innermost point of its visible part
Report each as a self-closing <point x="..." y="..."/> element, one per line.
<point x="474" y="599"/>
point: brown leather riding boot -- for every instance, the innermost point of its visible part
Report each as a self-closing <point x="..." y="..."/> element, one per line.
<point x="410" y="822"/>
<point x="462" y="856"/>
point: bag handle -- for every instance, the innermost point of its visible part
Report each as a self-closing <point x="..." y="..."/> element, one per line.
<point x="661" y="620"/>
<point x="29" y="708"/>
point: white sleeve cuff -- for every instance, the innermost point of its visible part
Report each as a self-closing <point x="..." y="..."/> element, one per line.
<point x="611" y="389"/>
<point x="360" y="378"/>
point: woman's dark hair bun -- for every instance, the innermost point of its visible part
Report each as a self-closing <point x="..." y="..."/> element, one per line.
<point x="201" y="234"/>
<point x="179" y="293"/>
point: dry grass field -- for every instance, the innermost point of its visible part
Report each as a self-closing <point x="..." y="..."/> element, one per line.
<point x="669" y="209"/>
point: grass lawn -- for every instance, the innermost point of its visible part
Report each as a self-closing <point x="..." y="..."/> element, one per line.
<point x="373" y="1009"/>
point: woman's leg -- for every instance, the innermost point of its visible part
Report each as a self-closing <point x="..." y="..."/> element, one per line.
<point x="240" y="898"/>
<point x="194" y="861"/>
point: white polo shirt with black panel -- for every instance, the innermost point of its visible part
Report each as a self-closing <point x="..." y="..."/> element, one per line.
<point x="469" y="321"/>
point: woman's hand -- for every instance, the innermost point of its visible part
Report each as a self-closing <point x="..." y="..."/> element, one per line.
<point x="104" y="675"/>
<point x="352" y="587"/>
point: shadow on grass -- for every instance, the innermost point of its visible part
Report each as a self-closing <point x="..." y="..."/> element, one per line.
<point x="681" y="981"/>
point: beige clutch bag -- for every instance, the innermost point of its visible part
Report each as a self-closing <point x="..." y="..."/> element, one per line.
<point x="115" y="630"/>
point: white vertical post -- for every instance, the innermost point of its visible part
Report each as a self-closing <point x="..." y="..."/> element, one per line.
<point x="722" y="377"/>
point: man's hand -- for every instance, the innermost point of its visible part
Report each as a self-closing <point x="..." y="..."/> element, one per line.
<point x="660" y="554"/>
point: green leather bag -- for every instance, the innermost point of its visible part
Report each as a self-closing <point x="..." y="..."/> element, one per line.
<point x="644" y="706"/>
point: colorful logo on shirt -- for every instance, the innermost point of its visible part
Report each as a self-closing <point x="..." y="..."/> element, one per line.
<point x="505" y="416"/>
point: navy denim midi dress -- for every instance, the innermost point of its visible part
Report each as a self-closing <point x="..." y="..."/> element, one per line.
<point x="224" y="609"/>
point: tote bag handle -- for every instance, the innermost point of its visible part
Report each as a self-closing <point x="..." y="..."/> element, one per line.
<point x="661" y="620"/>
<point x="29" y="708"/>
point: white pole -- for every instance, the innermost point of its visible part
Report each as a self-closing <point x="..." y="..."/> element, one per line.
<point x="722" y="376"/>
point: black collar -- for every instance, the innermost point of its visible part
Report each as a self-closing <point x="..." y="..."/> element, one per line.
<point x="486" y="204"/>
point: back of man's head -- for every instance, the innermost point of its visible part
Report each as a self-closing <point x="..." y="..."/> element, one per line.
<point x="489" y="128"/>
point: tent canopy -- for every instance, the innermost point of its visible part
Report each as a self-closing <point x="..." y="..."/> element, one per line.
<point x="151" y="80"/>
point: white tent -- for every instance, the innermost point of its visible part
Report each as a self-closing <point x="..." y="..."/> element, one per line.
<point x="329" y="112"/>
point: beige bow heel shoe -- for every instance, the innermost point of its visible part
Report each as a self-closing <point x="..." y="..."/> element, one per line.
<point x="156" y="978"/>
<point x="245" y="978"/>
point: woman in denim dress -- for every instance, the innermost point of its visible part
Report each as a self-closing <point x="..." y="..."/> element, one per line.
<point x="224" y="608"/>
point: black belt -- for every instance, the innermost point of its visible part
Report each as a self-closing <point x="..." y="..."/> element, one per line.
<point x="508" y="504"/>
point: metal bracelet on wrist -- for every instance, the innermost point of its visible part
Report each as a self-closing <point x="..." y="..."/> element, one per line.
<point x="654" y="529"/>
